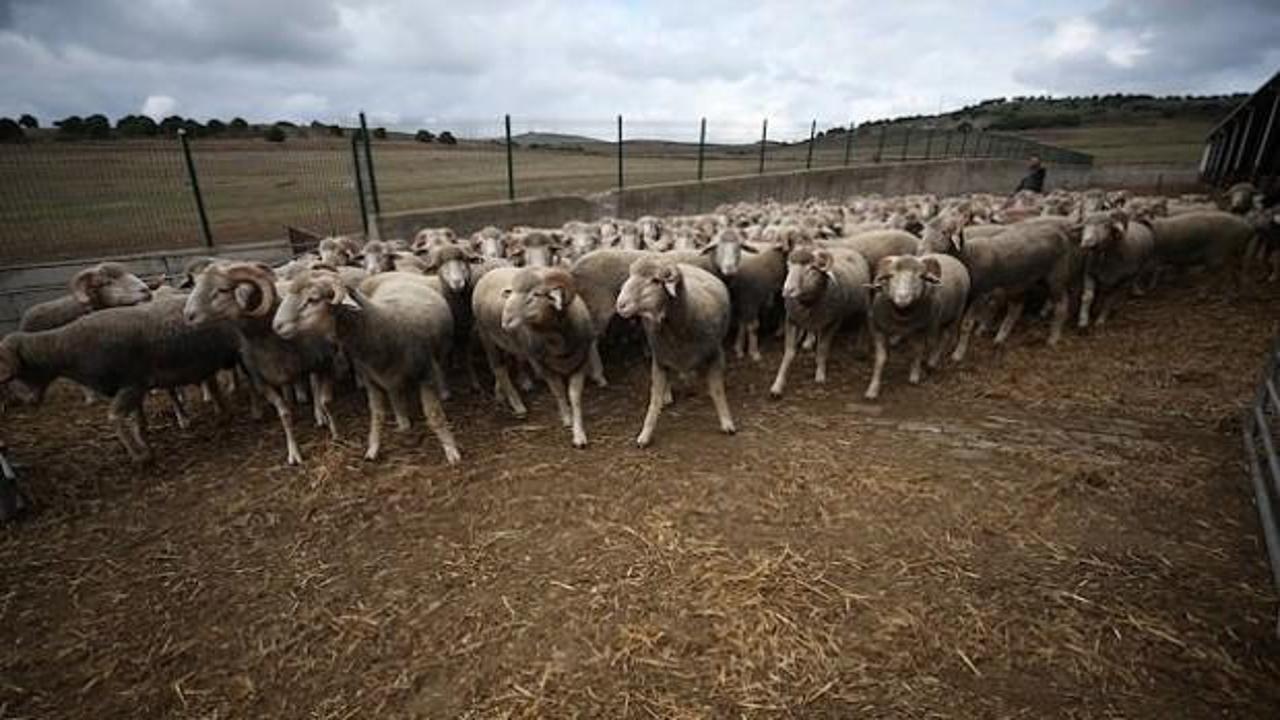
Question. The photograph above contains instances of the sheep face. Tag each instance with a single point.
(108, 285)
(377, 258)
(582, 240)
(536, 249)
(629, 237)
(333, 252)
(308, 303)
(537, 298)
(230, 291)
(905, 279)
(1101, 230)
(1240, 197)
(808, 272)
(726, 252)
(650, 286)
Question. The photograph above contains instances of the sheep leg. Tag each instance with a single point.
(377, 412)
(438, 422)
(715, 386)
(966, 330)
(442, 383)
(1013, 311)
(1086, 301)
(657, 391)
(1106, 303)
(1275, 268)
(576, 381)
(326, 404)
(523, 379)
(122, 415)
(400, 406)
(219, 402)
(556, 385)
(90, 397)
(317, 408)
(502, 382)
(179, 408)
(300, 393)
(917, 363)
(740, 341)
(753, 339)
(825, 337)
(285, 412)
(1061, 309)
(596, 366)
(810, 340)
(877, 369)
(937, 345)
(788, 357)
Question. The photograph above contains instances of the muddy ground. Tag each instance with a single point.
(1034, 533)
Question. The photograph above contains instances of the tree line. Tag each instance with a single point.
(99, 127)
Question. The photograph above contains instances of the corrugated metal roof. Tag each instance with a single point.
(1268, 85)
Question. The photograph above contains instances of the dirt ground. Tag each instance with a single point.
(1033, 533)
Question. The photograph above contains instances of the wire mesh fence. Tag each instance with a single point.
(94, 198)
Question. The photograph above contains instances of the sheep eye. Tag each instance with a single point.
(506, 293)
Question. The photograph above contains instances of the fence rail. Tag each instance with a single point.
(1261, 435)
(67, 200)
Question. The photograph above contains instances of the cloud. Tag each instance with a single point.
(158, 107)
(661, 63)
(1158, 46)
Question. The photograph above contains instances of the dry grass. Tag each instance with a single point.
(1033, 534)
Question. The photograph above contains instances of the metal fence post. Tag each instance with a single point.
(355, 166)
(764, 139)
(195, 188)
(946, 151)
(906, 144)
(813, 129)
(848, 144)
(702, 147)
(511, 166)
(368, 163)
(928, 145)
(884, 130)
(619, 152)
(964, 141)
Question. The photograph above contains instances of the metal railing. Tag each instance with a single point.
(1260, 439)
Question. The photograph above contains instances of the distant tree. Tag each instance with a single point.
(424, 136)
(447, 138)
(70, 128)
(215, 127)
(171, 125)
(965, 127)
(238, 125)
(10, 131)
(275, 133)
(317, 125)
(136, 126)
(285, 124)
(29, 121)
(193, 128)
(335, 130)
(380, 133)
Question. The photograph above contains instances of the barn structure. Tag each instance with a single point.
(1245, 146)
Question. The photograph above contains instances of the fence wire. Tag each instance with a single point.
(85, 199)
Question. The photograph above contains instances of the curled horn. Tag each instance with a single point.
(260, 277)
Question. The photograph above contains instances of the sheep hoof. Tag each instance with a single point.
(371, 455)
(600, 381)
(728, 428)
(871, 395)
(13, 504)
(756, 357)
(580, 442)
(775, 393)
(452, 456)
(643, 441)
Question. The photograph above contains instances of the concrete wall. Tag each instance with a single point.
(21, 287)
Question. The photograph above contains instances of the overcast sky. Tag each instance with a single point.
(556, 65)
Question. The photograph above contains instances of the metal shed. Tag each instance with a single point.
(1244, 145)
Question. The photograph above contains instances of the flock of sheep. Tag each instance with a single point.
(919, 273)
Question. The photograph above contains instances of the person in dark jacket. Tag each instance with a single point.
(1034, 180)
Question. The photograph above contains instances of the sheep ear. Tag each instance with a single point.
(748, 249)
(710, 248)
(82, 286)
(556, 294)
(244, 293)
(932, 270)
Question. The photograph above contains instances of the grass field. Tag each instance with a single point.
(1173, 142)
(89, 199)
